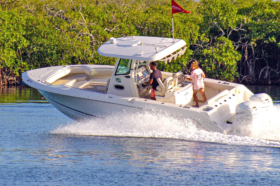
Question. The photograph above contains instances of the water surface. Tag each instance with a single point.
(41, 146)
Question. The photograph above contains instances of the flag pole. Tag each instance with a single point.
(173, 29)
(176, 9)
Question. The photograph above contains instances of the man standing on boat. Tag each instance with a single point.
(153, 79)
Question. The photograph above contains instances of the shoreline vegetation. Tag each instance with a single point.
(234, 40)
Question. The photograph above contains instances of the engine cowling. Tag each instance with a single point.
(249, 110)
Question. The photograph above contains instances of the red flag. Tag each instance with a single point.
(177, 8)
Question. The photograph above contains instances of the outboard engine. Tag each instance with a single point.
(264, 100)
(248, 111)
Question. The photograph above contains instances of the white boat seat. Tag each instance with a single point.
(169, 97)
(178, 76)
(80, 77)
(104, 89)
(98, 81)
(94, 82)
(82, 69)
(68, 80)
(70, 83)
(163, 87)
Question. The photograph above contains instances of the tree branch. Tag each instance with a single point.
(215, 24)
(111, 30)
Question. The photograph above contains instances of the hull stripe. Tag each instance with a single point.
(92, 99)
(72, 108)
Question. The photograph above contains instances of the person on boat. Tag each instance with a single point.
(153, 79)
(196, 77)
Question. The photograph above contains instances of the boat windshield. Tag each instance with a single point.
(142, 63)
(123, 67)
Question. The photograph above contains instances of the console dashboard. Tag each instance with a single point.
(142, 77)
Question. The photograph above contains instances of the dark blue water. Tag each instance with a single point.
(40, 146)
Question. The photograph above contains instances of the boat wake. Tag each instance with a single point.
(164, 126)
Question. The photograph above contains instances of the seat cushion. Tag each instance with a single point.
(159, 93)
(159, 88)
(168, 83)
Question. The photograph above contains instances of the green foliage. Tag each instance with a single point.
(220, 60)
(264, 21)
(260, 46)
(180, 63)
(30, 42)
(218, 14)
(222, 34)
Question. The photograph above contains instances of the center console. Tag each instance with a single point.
(143, 76)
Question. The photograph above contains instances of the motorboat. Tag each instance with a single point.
(89, 91)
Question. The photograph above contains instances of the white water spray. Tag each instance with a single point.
(266, 126)
(164, 126)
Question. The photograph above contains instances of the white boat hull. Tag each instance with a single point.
(80, 108)
(88, 91)
(78, 102)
